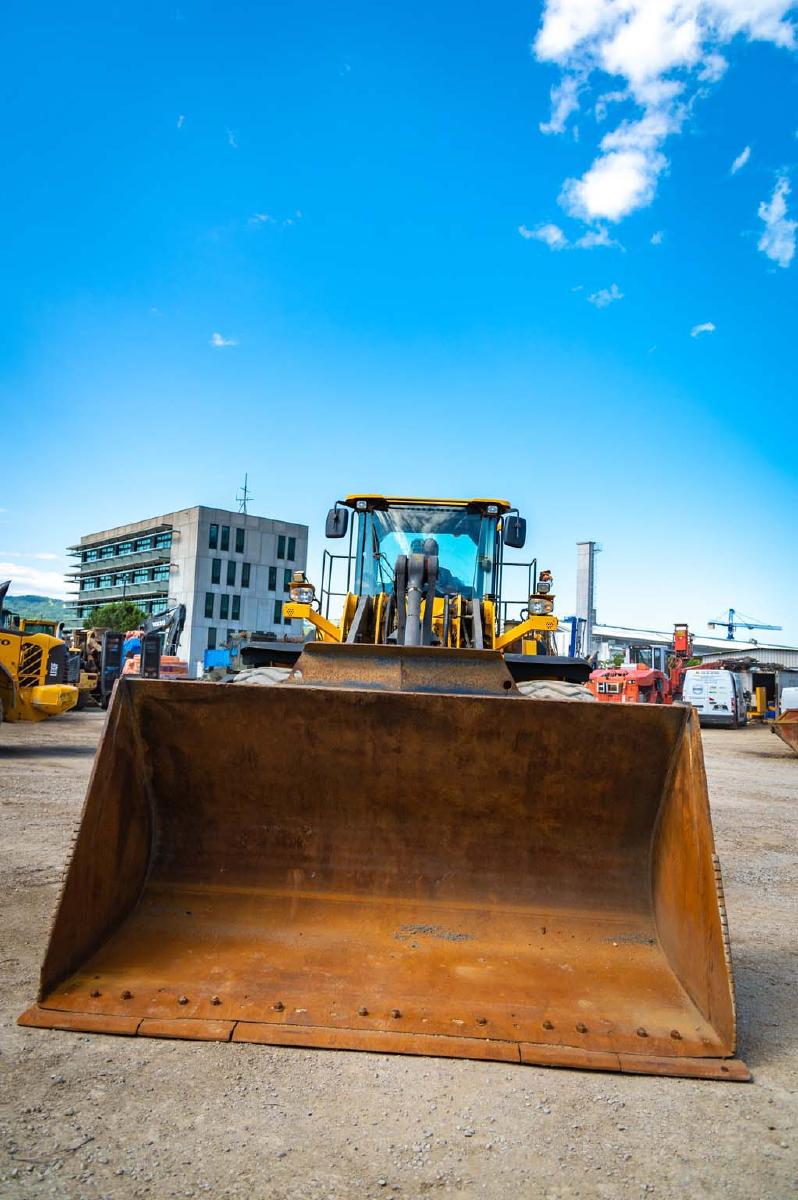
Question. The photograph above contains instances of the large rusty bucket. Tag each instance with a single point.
(396, 851)
(786, 726)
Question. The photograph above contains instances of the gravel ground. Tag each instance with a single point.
(92, 1116)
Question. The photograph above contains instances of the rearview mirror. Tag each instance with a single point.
(514, 532)
(337, 523)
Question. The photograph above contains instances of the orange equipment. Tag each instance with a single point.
(171, 667)
(637, 684)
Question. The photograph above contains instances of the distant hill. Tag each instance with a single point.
(46, 608)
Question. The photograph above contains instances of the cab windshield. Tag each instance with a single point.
(465, 543)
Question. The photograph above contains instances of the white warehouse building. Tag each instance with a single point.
(231, 570)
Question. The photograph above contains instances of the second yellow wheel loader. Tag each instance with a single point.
(399, 848)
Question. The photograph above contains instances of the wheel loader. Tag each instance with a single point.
(412, 842)
(33, 670)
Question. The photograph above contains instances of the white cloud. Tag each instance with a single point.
(778, 239)
(605, 296)
(32, 579)
(597, 237)
(603, 103)
(741, 159)
(218, 340)
(231, 139)
(552, 235)
(180, 121)
(704, 327)
(665, 53)
(555, 239)
(657, 238)
(564, 101)
(42, 556)
(261, 218)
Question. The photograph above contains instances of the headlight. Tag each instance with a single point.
(301, 589)
(539, 607)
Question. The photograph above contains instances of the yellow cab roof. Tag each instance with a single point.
(376, 500)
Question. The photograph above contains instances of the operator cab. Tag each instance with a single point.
(466, 536)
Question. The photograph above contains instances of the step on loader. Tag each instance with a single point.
(399, 846)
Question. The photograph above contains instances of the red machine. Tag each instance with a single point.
(682, 653)
(636, 684)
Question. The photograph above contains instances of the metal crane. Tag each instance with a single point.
(741, 622)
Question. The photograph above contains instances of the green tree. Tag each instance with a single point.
(121, 615)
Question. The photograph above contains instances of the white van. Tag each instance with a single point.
(717, 696)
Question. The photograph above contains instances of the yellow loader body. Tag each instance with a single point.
(397, 851)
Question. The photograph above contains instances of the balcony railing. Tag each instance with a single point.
(129, 591)
(100, 566)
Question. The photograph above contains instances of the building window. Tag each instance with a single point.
(125, 547)
(272, 579)
(236, 613)
(231, 572)
(212, 638)
(213, 537)
(143, 575)
(278, 612)
(245, 569)
(230, 633)
(89, 555)
(107, 552)
(287, 573)
(160, 574)
(291, 555)
(216, 570)
(224, 606)
(209, 604)
(225, 545)
(281, 546)
(239, 541)
(163, 541)
(105, 581)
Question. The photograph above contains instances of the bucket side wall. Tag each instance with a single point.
(111, 851)
(687, 896)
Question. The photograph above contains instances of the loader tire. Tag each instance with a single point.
(554, 689)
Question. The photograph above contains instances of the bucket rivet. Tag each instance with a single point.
(395, 1012)
(363, 1011)
(215, 1000)
(581, 1028)
(675, 1034)
(126, 995)
(95, 993)
(548, 1024)
(278, 1006)
(642, 1032)
(482, 1020)
(182, 1000)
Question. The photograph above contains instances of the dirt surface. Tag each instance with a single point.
(91, 1116)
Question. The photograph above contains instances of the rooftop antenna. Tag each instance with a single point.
(244, 496)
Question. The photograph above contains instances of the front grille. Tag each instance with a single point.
(30, 665)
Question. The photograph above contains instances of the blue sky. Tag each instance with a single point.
(359, 202)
